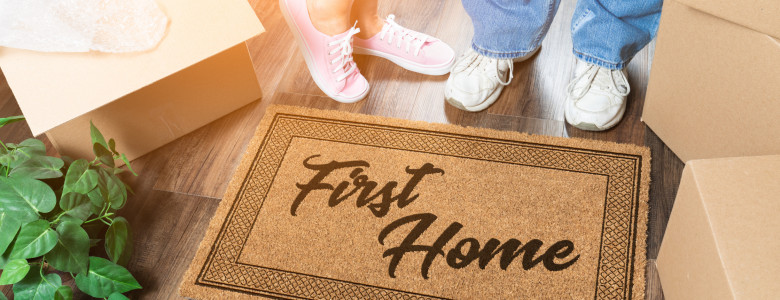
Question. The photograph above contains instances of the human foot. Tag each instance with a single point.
(329, 58)
(476, 81)
(409, 49)
(596, 97)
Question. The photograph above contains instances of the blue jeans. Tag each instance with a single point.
(607, 33)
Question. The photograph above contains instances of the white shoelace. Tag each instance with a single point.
(602, 82)
(407, 35)
(345, 46)
(482, 62)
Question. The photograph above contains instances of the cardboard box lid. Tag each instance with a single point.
(740, 196)
(53, 88)
(713, 90)
(759, 15)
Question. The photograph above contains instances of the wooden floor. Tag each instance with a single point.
(180, 184)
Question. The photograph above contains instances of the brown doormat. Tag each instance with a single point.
(334, 205)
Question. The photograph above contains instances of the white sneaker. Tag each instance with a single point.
(596, 97)
(476, 81)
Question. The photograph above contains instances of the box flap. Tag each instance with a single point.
(759, 15)
(53, 88)
(740, 197)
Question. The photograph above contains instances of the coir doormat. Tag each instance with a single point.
(334, 205)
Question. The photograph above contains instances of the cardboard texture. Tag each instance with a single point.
(723, 234)
(200, 71)
(713, 87)
(280, 232)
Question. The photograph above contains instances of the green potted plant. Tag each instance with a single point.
(52, 211)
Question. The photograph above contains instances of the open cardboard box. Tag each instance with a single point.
(200, 71)
(724, 232)
(714, 87)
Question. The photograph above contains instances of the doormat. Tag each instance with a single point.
(335, 205)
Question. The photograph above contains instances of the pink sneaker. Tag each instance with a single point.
(329, 58)
(409, 49)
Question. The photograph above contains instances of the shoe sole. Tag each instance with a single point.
(406, 64)
(593, 127)
(315, 74)
(477, 108)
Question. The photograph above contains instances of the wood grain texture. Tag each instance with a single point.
(180, 183)
(653, 287)
(666, 172)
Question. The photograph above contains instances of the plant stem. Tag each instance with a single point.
(101, 218)
(44, 278)
(57, 219)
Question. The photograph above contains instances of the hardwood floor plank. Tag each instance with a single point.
(15, 132)
(167, 232)
(653, 289)
(454, 29)
(665, 175)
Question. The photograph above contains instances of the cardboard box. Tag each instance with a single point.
(715, 80)
(722, 238)
(200, 71)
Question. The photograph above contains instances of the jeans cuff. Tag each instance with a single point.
(600, 62)
(499, 55)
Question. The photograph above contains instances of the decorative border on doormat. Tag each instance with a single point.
(216, 269)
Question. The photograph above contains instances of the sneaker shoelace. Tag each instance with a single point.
(602, 78)
(345, 46)
(404, 34)
(475, 61)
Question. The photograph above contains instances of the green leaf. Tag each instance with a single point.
(2, 296)
(96, 210)
(103, 155)
(97, 137)
(105, 278)
(127, 187)
(127, 163)
(9, 120)
(76, 205)
(64, 293)
(112, 146)
(118, 170)
(35, 239)
(14, 271)
(121, 186)
(6, 256)
(31, 147)
(35, 287)
(80, 178)
(72, 219)
(111, 189)
(119, 241)
(71, 254)
(97, 200)
(23, 198)
(39, 167)
(67, 159)
(6, 159)
(94, 242)
(8, 229)
(117, 296)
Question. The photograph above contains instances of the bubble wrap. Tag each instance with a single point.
(81, 25)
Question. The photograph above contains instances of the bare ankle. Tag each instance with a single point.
(369, 26)
(329, 20)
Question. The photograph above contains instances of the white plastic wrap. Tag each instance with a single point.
(81, 25)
